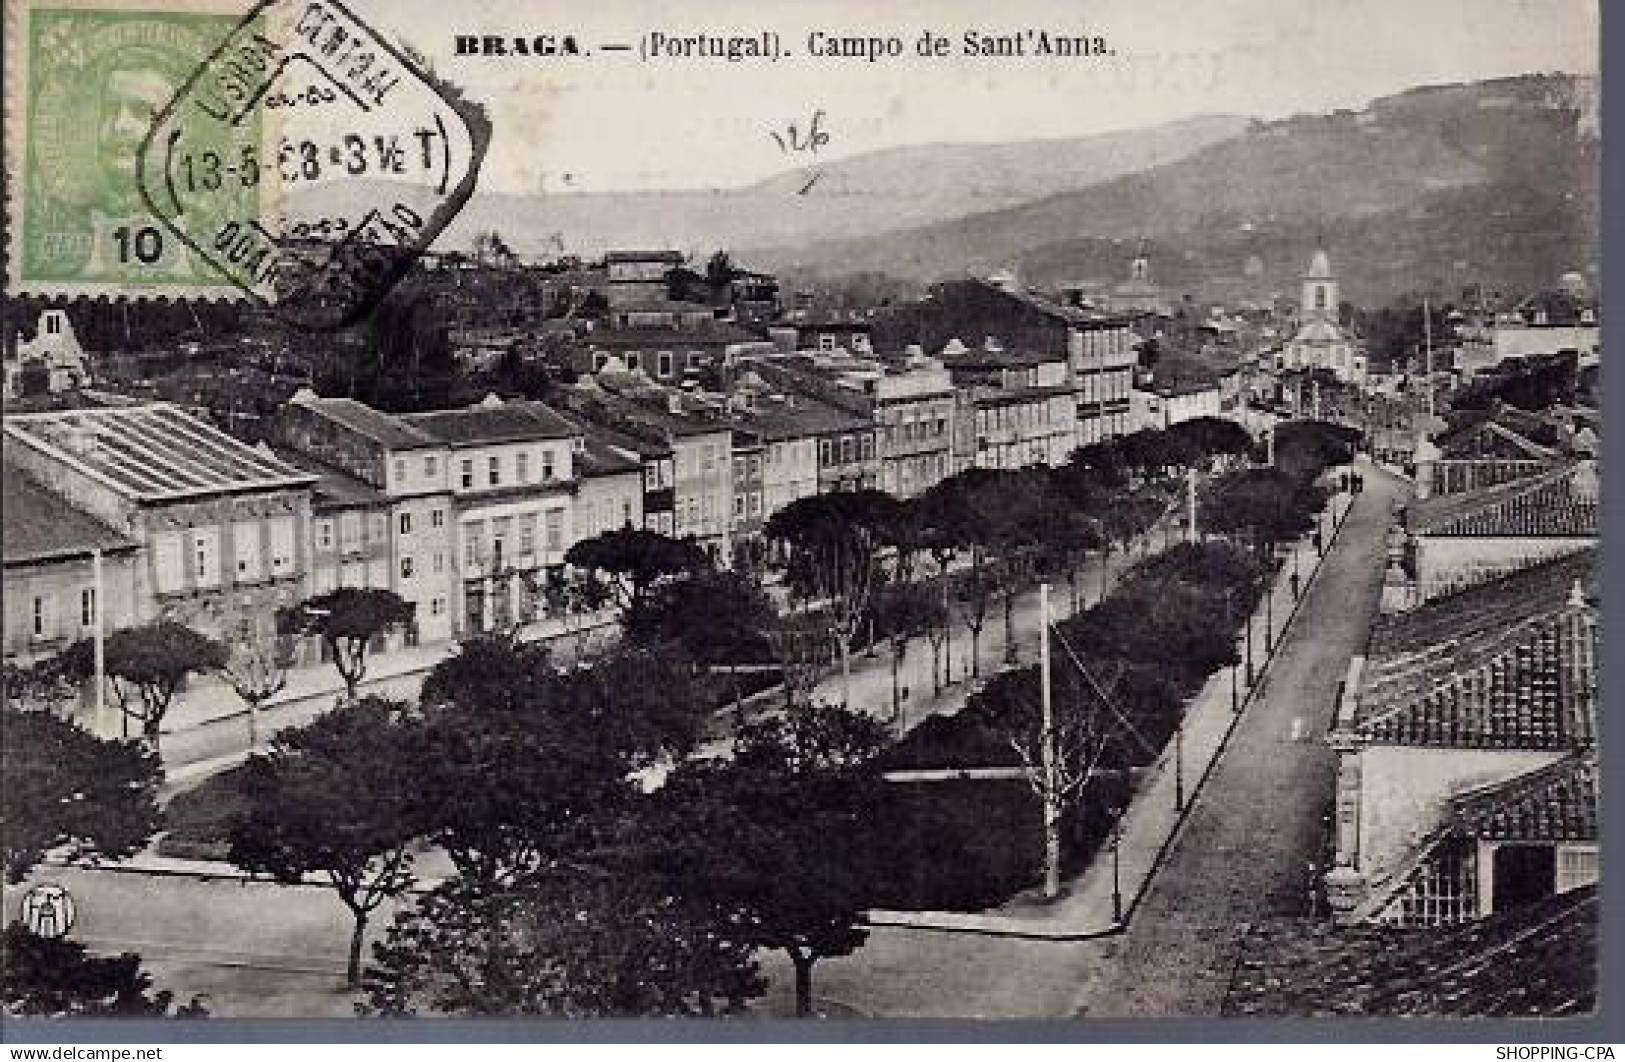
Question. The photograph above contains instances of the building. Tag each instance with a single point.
(835, 335)
(50, 362)
(48, 549)
(670, 343)
(1320, 341)
(610, 496)
(382, 507)
(1482, 455)
(638, 277)
(1452, 541)
(1103, 353)
(512, 480)
(223, 527)
(1554, 321)
(1023, 405)
(1466, 745)
(1138, 295)
(1163, 401)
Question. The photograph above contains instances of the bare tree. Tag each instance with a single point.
(258, 670)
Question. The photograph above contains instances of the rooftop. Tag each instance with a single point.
(1555, 803)
(334, 488)
(1501, 665)
(389, 432)
(493, 421)
(1536, 961)
(40, 526)
(152, 452)
(1562, 503)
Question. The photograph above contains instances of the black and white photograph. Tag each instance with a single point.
(801, 511)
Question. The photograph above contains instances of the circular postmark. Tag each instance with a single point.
(48, 911)
(310, 161)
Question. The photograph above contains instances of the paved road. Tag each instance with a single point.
(1245, 851)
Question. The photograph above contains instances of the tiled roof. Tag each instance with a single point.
(1492, 441)
(1555, 803)
(598, 457)
(491, 422)
(386, 430)
(151, 452)
(1562, 503)
(1533, 686)
(1438, 629)
(39, 525)
(1015, 396)
(1536, 961)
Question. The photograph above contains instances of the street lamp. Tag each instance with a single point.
(1117, 882)
(1179, 763)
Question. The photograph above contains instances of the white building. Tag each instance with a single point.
(1320, 342)
(52, 361)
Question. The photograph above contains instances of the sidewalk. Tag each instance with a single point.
(1102, 900)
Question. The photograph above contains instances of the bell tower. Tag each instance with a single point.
(1320, 295)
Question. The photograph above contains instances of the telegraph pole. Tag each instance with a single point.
(97, 641)
(1052, 808)
(1190, 505)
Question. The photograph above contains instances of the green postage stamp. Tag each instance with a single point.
(84, 81)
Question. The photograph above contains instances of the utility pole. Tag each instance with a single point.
(97, 641)
(1427, 342)
(1052, 802)
(1269, 445)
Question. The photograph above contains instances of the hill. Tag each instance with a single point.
(857, 196)
(1494, 182)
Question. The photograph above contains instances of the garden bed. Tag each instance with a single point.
(197, 822)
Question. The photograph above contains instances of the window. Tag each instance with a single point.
(429, 466)
(527, 535)
(437, 518)
(471, 551)
(824, 451)
(626, 512)
(324, 534)
(468, 474)
(168, 567)
(547, 466)
(826, 341)
(555, 530)
(87, 607)
(400, 470)
(439, 562)
(406, 567)
(846, 449)
(53, 325)
(739, 506)
(710, 459)
(42, 617)
(665, 363)
(494, 470)
(406, 523)
(1576, 868)
(437, 606)
(282, 549)
(206, 556)
(522, 470)
(245, 547)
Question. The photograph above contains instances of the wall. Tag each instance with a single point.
(59, 586)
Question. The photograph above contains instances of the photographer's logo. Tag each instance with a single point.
(47, 911)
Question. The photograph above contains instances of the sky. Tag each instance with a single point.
(610, 122)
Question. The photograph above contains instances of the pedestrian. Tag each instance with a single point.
(1294, 586)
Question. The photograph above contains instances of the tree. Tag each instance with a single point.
(1066, 534)
(781, 833)
(147, 665)
(737, 615)
(54, 978)
(64, 789)
(835, 542)
(800, 645)
(1263, 506)
(338, 799)
(905, 611)
(638, 560)
(258, 670)
(523, 765)
(347, 620)
(1077, 737)
(583, 941)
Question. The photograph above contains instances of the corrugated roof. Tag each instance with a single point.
(40, 526)
(152, 452)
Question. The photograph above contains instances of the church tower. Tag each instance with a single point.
(1320, 297)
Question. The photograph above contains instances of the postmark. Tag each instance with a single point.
(290, 155)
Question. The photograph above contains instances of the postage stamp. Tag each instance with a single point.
(160, 145)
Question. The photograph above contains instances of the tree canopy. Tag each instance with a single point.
(638, 558)
(147, 666)
(347, 620)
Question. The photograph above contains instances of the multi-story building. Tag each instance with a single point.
(383, 510)
(1023, 405)
(512, 479)
(49, 553)
(1467, 775)
(224, 528)
(638, 276)
(49, 362)
(611, 493)
(1103, 353)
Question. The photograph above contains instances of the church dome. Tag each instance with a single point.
(1320, 266)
